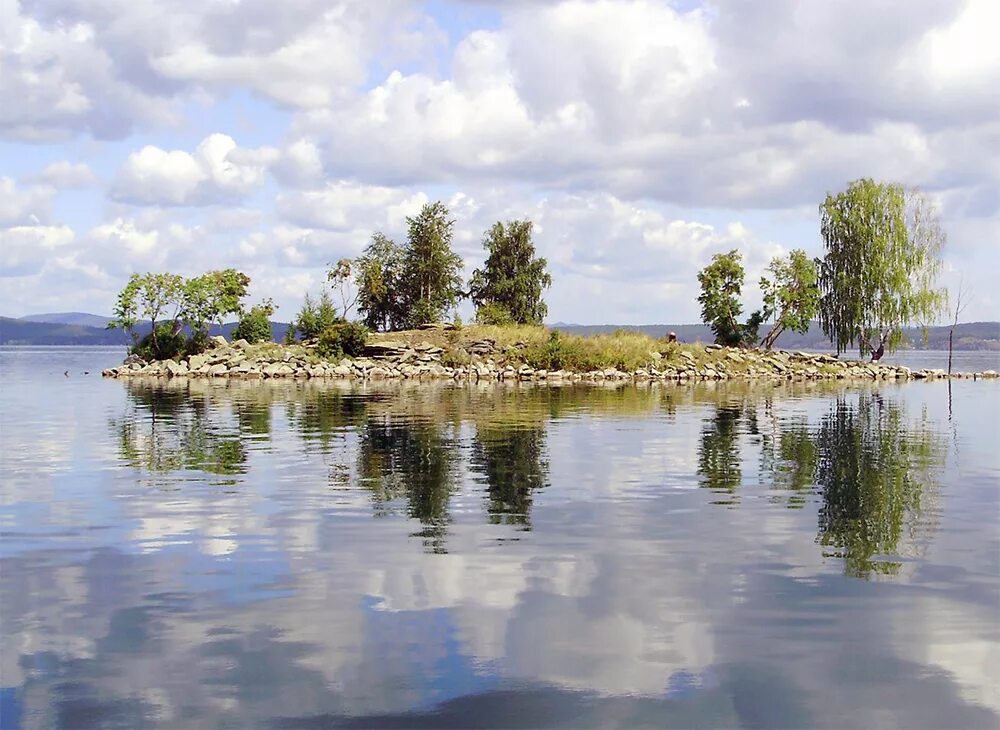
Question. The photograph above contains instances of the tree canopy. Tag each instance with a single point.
(377, 275)
(512, 278)
(721, 283)
(791, 294)
(431, 280)
(883, 247)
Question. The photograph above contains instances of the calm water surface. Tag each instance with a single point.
(318, 554)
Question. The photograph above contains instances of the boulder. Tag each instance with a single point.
(218, 341)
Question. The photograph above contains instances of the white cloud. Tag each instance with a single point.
(24, 206)
(217, 171)
(65, 174)
(24, 250)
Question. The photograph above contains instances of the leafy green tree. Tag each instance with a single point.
(791, 295)
(721, 283)
(212, 297)
(432, 272)
(152, 297)
(377, 274)
(883, 254)
(255, 325)
(512, 279)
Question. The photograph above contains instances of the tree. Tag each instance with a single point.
(431, 279)
(512, 278)
(883, 246)
(153, 297)
(212, 297)
(791, 295)
(721, 282)
(339, 277)
(377, 274)
(314, 318)
(255, 325)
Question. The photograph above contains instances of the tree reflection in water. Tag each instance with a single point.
(512, 460)
(872, 468)
(869, 465)
(400, 457)
(170, 428)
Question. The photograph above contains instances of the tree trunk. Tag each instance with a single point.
(951, 333)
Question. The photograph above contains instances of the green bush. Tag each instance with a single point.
(167, 344)
(315, 317)
(342, 338)
(255, 326)
(197, 343)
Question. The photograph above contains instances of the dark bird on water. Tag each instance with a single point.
(66, 373)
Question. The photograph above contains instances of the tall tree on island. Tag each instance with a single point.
(377, 274)
(791, 295)
(432, 273)
(508, 289)
(721, 283)
(883, 254)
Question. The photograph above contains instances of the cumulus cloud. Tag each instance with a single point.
(65, 174)
(103, 68)
(25, 249)
(24, 206)
(216, 172)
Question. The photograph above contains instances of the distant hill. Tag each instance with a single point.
(80, 318)
(26, 331)
(21, 332)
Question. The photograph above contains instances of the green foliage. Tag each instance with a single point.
(211, 297)
(314, 318)
(883, 254)
(512, 279)
(431, 272)
(162, 343)
(493, 313)
(721, 283)
(342, 338)
(153, 297)
(791, 294)
(377, 275)
(172, 301)
(255, 325)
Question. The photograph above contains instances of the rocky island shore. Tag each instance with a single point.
(458, 355)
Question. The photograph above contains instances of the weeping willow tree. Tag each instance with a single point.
(883, 255)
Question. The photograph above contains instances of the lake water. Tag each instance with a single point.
(303, 554)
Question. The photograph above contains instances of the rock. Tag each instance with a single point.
(241, 344)
(196, 361)
(133, 360)
(177, 368)
(385, 349)
(218, 341)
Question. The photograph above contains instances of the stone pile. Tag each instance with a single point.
(388, 360)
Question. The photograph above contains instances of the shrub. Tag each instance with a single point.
(197, 343)
(168, 344)
(342, 338)
(255, 326)
(314, 318)
(493, 313)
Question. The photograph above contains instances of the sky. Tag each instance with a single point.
(640, 137)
